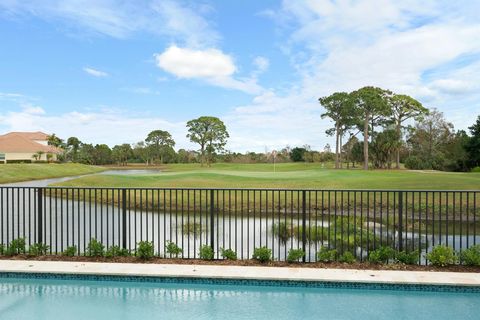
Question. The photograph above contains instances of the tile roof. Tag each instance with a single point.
(29, 135)
(23, 142)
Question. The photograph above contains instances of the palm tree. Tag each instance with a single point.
(55, 141)
(38, 155)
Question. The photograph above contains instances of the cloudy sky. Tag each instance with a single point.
(110, 71)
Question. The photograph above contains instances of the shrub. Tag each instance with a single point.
(95, 248)
(70, 251)
(38, 249)
(476, 169)
(262, 254)
(442, 256)
(471, 256)
(145, 250)
(228, 254)
(416, 163)
(2, 249)
(347, 257)
(407, 257)
(116, 251)
(206, 252)
(294, 255)
(326, 255)
(172, 249)
(381, 255)
(17, 246)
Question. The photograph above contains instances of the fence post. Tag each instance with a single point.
(39, 215)
(124, 218)
(212, 224)
(400, 221)
(304, 223)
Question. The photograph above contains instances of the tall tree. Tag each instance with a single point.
(371, 103)
(339, 108)
(382, 147)
(55, 141)
(473, 145)
(404, 108)
(210, 133)
(159, 141)
(429, 141)
(121, 153)
(74, 144)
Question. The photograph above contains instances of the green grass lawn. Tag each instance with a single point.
(287, 175)
(30, 171)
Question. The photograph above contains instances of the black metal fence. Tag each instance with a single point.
(358, 221)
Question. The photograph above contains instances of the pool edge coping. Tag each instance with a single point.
(242, 273)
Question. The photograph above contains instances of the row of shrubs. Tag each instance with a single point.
(440, 255)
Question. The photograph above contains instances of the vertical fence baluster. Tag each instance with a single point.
(400, 221)
(212, 222)
(304, 222)
(40, 215)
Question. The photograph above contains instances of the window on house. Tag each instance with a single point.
(2, 156)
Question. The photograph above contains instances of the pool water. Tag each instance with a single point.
(86, 299)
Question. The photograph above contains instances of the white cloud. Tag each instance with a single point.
(11, 96)
(210, 65)
(121, 19)
(261, 63)
(95, 72)
(188, 63)
(33, 110)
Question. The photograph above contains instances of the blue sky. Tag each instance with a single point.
(110, 71)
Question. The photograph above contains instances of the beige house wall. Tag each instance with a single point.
(27, 157)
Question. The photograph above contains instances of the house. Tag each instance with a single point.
(26, 147)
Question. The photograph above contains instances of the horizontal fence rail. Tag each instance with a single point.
(358, 221)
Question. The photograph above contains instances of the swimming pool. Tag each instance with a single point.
(64, 297)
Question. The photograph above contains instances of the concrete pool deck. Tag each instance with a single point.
(241, 272)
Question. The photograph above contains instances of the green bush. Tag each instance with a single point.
(2, 249)
(347, 257)
(38, 249)
(326, 255)
(145, 250)
(17, 246)
(471, 256)
(116, 251)
(172, 249)
(95, 248)
(262, 254)
(476, 169)
(294, 255)
(206, 252)
(416, 163)
(228, 254)
(442, 256)
(381, 255)
(407, 257)
(70, 251)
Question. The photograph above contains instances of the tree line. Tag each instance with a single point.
(382, 117)
(210, 133)
(382, 129)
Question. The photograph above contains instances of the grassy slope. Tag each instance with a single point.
(24, 172)
(288, 175)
